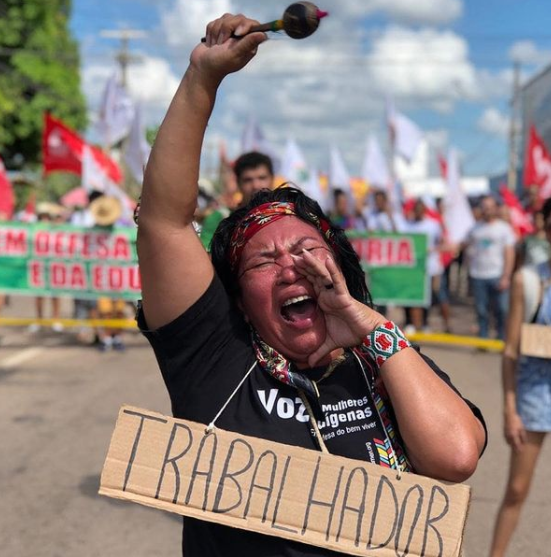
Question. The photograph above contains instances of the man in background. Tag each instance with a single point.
(253, 171)
(419, 223)
(48, 213)
(491, 257)
(382, 218)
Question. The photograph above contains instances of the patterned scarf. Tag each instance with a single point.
(391, 452)
(274, 363)
(259, 217)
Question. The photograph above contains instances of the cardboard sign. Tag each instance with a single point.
(324, 500)
(535, 340)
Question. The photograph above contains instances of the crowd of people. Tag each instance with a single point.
(96, 211)
(480, 268)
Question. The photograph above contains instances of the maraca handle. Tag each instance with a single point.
(276, 25)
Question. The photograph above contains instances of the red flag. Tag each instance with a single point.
(537, 164)
(62, 150)
(520, 219)
(433, 214)
(61, 147)
(111, 168)
(7, 197)
(430, 212)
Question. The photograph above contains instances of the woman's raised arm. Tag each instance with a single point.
(175, 269)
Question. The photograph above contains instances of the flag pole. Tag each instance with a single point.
(513, 130)
(392, 159)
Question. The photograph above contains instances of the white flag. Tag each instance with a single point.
(375, 168)
(406, 134)
(95, 178)
(293, 166)
(137, 149)
(127, 204)
(417, 168)
(116, 112)
(312, 188)
(339, 177)
(253, 139)
(338, 174)
(458, 215)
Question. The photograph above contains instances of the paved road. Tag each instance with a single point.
(58, 404)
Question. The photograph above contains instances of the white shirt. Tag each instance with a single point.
(433, 231)
(83, 218)
(486, 250)
(380, 221)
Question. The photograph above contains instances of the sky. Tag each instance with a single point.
(447, 64)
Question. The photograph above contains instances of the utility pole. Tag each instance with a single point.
(513, 129)
(123, 56)
(124, 59)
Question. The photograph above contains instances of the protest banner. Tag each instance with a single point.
(395, 265)
(43, 259)
(53, 260)
(317, 498)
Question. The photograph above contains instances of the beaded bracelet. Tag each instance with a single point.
(385, 341)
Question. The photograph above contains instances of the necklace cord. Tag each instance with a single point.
(212, 425)
(314, 423)
(210, 428)
(396, 466)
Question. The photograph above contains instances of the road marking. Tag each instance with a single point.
(20, 357)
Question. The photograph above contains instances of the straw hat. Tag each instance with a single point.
(106, 210)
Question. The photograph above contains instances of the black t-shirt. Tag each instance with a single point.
(204, 353)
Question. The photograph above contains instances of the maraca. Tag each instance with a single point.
(299, 21)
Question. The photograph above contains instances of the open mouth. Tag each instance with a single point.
(299, 309)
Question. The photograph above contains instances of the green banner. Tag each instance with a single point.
(395, 265)
(55, 260)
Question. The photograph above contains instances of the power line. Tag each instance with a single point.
(92, 16)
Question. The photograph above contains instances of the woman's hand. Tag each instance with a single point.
(514, 431)
(220, 54)
(347, 320)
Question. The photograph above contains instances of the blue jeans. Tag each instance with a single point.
(487, 298)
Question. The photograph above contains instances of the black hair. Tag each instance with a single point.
(337, 192)
(307, 210)
(488, 196)
(94, 194)
(254, 159)
(546, 209)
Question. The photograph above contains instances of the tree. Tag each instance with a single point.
(39, 72)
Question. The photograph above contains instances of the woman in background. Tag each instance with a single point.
(526, 391)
